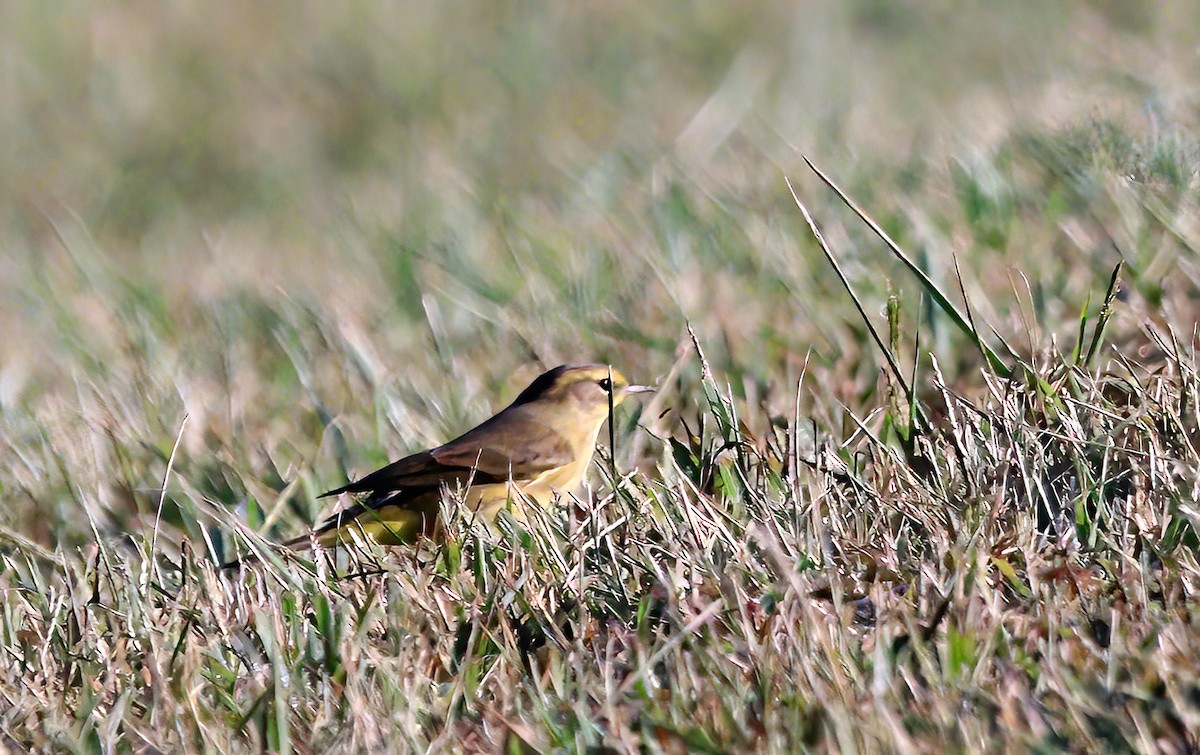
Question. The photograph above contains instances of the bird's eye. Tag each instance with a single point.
(605, 383)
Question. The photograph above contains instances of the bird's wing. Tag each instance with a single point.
(510, 445)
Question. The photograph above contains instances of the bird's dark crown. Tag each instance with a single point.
(558, 380)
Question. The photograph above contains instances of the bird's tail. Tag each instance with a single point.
(302, 543)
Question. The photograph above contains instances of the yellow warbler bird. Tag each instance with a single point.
(537, 448)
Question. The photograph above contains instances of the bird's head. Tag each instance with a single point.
(584, 389)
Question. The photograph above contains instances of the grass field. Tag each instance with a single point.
(953, 503)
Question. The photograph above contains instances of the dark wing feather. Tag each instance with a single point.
(421, 470)
(482, 455)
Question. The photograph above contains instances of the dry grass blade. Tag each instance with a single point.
(883, 348)
(940, 299)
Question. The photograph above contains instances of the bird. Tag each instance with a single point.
(536, 449)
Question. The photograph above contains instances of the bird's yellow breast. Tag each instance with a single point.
(490, 500)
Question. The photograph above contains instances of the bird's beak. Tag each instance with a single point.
(640, 389)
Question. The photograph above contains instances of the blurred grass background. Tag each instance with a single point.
(333, 233)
